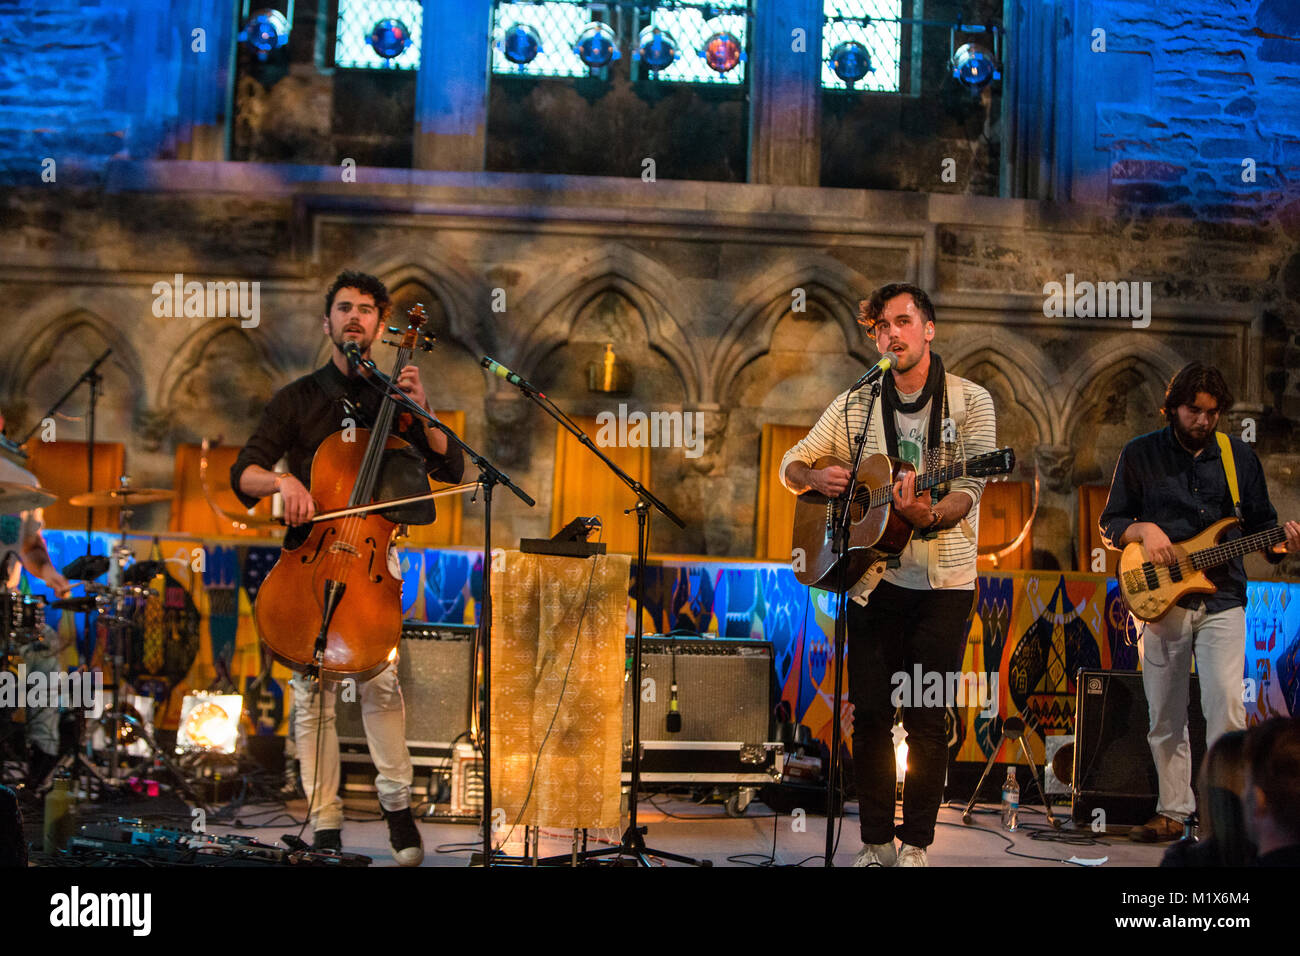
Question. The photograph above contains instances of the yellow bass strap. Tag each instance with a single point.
(1230, 469)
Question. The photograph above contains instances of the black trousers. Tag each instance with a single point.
(898, 629)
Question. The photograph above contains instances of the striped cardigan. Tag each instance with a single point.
(952, 563)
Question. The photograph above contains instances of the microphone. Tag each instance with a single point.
(673, 722)
(501, 371)
(874, 373)
(353, 353)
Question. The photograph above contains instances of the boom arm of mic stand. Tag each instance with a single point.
(489, 471)
(84, 376)
(640, 490)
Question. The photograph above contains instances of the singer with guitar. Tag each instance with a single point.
(916, 613)
(297, 420)
(1171, 485)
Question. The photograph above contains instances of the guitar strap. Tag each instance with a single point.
(1230, 471)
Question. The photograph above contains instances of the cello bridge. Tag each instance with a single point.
(345, 547)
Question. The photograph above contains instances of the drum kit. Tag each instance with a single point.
(120, 607)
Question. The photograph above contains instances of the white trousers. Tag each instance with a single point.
(384, 718)
(43, 722)
(1218, 641)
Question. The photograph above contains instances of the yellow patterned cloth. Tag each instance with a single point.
(540, 604)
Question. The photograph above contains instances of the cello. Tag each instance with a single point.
(331, 607)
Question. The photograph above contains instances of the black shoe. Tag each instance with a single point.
(326, 840)
(404, 837)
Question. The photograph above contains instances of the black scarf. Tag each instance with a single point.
(935, 384)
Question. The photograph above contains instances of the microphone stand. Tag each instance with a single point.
(840, 547)
(489, 477)
(633, 842)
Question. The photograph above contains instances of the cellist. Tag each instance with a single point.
(296, 420)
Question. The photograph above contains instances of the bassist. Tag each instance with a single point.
(918, 612)
(1170, 485)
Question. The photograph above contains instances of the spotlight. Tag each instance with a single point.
(389, 38)
(209, 723)
(974, 67)
(265, 32)
(521, 44)
(851, 61)
(656, 48)
(722, 52)
(597, 45)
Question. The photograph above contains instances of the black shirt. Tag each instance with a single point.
(305, 412)
(1158, 480)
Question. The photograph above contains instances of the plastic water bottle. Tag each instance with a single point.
(1010, 801)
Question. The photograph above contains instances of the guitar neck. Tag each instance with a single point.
(1222, 553)
(924, 481)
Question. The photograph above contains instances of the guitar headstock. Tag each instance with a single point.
(991, 464)
(415, 336)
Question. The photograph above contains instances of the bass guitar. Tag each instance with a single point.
(875, 531)
(1150, 590)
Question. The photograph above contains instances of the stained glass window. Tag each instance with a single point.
(357, 18)
(882, 37)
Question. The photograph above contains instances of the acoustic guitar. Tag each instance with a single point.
(1150, 590)
(875, 531)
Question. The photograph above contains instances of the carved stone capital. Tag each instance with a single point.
(509, 437)
(1055, 463)
(152, 427)
(711, 420)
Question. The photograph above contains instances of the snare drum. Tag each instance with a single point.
(22, 616)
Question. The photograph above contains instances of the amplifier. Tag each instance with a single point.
(434, 670)
(1113, 768)
(724, 689)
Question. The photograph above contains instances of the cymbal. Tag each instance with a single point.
(119, 497)
(15, 497)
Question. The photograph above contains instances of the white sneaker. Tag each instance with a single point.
(912, 856)
(876, 854)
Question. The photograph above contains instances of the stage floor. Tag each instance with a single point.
(680, 826)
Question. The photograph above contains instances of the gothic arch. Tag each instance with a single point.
(552, 306)
(187, 358)
(762, 301)
(1025, 367)
(1105, 360)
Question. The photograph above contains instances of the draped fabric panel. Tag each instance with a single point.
(584, 486)
(61, 467)
(558, 631)
(775, 504)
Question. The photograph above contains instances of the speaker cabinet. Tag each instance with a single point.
(724, 689)
(1113, 767)
(433, 667)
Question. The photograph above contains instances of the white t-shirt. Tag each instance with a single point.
(913, 570)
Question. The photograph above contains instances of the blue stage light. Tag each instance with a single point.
(521, 44)
(389, 37)
(722, 52)
(851, 61)
(974, 67)
(265, 32)
(656, 49)
(597, 45)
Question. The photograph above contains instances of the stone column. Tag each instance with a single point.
(785, 93)
(451, 92)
